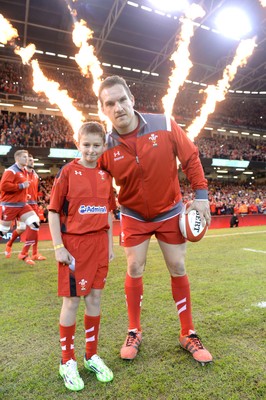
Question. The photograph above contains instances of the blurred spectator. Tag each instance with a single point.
(234, 221)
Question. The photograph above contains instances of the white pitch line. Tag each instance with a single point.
(233, 234)
(155, 241)
(255, 251)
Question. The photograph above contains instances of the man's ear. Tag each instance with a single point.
(133, 100)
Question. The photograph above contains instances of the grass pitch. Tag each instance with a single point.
(227, 271)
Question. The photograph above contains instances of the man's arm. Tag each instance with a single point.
(110, 237)
(8, 183)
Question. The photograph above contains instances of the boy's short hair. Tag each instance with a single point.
(111, 81)
(92, 127)
(19, 152)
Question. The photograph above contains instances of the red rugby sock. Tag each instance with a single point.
(134, 295)
(181, 296)
(31, 240)
(91, 325)
(15, 234)
(67, 337)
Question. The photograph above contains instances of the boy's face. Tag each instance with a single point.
(91, 146)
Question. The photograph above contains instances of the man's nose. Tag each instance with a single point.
(118, 106)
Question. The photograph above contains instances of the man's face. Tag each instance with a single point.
(117, 105)
(22, 159)
(30, 162)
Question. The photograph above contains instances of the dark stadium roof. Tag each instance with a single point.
(133, 37)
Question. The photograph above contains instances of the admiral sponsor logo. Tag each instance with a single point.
(92, 209)
(78, 173)
(117, 156)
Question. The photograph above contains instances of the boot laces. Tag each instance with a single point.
(131, 337)
(196, 341)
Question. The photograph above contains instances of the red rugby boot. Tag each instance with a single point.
(8, 251)
(26, 259)
(192, 343)
(38, 257)
(129, 350)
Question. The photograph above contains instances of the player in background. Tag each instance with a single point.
(32, 197)
(14, 195)
(80, 222)
(141, 156)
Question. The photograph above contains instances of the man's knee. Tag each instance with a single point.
(21, 227)
(33, 222)
(134, 269)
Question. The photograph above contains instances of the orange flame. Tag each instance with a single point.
(217, 93)
(181, 57)
(85, 58)
(7, 31)
(56, 96)
(25, 53)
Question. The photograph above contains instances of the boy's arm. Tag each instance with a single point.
(61, 253)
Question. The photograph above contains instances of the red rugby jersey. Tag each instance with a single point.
(33, 188)
(12, 191)
(83, 197)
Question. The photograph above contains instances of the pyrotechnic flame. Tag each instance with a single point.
(56, 96)
(85, 58)
(263, 3)
(181, 57)
(7, 32)
(217, 93)
(25, 53)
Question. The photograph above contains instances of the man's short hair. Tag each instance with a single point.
(19, 152)
(92, 127)
(111, 81)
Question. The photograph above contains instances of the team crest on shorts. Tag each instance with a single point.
(82, 284)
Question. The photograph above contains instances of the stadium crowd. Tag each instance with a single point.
(48, 131)
(249, 112)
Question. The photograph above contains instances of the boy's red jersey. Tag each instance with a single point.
(83, 197)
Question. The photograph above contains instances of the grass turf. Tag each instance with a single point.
(227, 284)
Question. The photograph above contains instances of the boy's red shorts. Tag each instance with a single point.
(91, 264)
(135, 232)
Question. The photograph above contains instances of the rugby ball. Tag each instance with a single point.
(190, 225)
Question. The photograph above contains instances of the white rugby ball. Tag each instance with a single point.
(190, 225)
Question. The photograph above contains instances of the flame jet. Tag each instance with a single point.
(216, 93)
